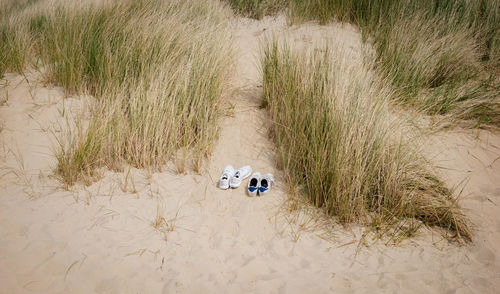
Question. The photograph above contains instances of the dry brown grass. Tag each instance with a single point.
(342, 147)
(157, 69)
(442, 57)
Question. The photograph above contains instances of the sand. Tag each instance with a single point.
(102, 238)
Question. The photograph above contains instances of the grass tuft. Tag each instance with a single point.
(257, 8)
(157, 69)
(336, 137)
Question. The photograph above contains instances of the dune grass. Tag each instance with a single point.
(14, 41)
(258, 8)
(157, 69)
(439, 61)
(340, 145)
(441, 57)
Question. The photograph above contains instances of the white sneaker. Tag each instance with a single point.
(240, 174)
(253, 184)
(226, 177)
(265, 184)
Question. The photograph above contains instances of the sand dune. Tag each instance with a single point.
(102, 239)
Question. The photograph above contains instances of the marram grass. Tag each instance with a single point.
(157, 69)
(441, 57)
(14, 41)
(258, 8)
(338, 142)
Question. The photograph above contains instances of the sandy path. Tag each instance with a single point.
(101, 239)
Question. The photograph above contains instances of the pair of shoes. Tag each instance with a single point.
(259, 185)
(232, 178)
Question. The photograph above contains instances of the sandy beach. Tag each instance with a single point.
(103, 239)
